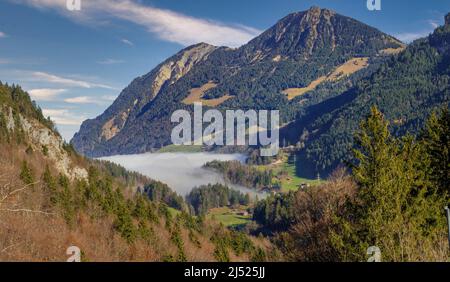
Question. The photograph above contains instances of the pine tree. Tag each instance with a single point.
(26, 174)
(50, 186)
(396, 208)
(436, 139)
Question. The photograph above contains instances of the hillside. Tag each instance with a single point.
(406, 88)
(51, 198)
(295, 52)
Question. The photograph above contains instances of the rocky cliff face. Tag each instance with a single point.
(176, 68)
(41, 137)
(140, 92)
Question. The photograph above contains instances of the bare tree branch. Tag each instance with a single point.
(17, 191)
(9, 247)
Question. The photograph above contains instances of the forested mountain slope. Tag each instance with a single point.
(276, 70)
(406, 88)
(51, 198)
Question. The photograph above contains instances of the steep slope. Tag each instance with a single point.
(142, 91)
(407, 88)
(51, 198)
(298, 50)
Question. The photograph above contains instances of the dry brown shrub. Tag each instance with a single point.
(309, 238)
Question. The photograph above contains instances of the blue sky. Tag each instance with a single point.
(74, 63)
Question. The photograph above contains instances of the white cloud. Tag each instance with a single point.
(45, 94)
(434, 24)
(126, 41)
(88, 100)
(110, 62)
(411, 36)
(2, 34)
(167, 25)
(43, 76)
(63, 117)
(81, 100)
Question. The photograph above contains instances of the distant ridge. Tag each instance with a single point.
(293, 54)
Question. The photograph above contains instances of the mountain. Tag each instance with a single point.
(284, 68)
(406, 88)
(51, 198)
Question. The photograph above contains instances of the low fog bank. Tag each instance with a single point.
(181, 171)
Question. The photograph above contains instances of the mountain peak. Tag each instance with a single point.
(447, 19)
(312, 15)
(303, 34)
(316, 10)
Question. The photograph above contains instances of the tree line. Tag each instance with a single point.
(394, 199)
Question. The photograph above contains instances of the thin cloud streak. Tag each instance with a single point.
(167, 25)
(126, 41)
(409, 37)
(110, 62)
(51, 78)
(104, 100)
(63, 117)
(45, 94)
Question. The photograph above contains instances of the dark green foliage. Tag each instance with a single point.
(65, 199)
(255, 158)
(407, 89)
(124, 224)
(26, 173)
(158, 191)
(190, 222)
(275, 212)
(206, 197)
(234, 241)
(20, 102)
(50, 185)
(178, 241)
(4, 132)
(258, 256)
(396, 207)
(244, 175)
(146, 232)
(436, 140)
(70, 149)
(221, 252)
(44, 150)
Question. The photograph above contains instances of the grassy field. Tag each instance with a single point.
(173, 212)
(196, 95)
(228, 216)
(346, 69)
(290, 181)
(225, 215)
